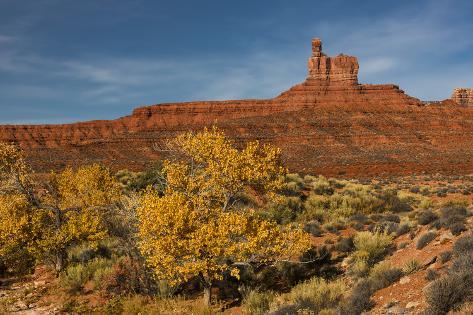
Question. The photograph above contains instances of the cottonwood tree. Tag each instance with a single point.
(69, 209)
(15, 232)
(196, 228)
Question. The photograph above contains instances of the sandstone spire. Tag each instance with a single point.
(463, 97)
(332, 70)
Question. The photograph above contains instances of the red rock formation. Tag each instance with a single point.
(463, 97)
(328, 124)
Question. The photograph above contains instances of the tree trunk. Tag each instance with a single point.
(59, 264)
(207, 295)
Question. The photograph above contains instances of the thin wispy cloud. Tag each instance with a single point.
(414, 48)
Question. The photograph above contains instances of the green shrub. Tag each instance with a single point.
(403, 229)
(359, 269)
(317, 294)
(345, 245)
(315, 208)
(425, 239)
(313, 228)
(294, 184)
(321, 186)
(445, 256)
(463, 246)
(144, 305)
(284, 211)
(457, 228)
(392, 218)
(371, 246)
(359, 300)
(453, 217)
(463, 263)
(76, 275)
(257, 303)
(74, 278)
(402, 245)
(426, 217)
(449, 292)
(383, 275)
(431, 275)
(153, 176)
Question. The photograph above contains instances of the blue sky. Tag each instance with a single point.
(68, 60)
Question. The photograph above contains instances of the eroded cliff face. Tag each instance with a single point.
(329, 124)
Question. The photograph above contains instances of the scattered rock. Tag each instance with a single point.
(345, 263)
(396, 310)
(19, 306)
(405, 280)
(39, 283)
(412, 305)
(430, 262)
(446, 237)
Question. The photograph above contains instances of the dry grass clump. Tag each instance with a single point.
(410, 266)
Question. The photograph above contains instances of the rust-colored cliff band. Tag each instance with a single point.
(329, 124)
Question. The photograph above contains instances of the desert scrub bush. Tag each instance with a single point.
(357, 226)
(391, 217)
(345, 245)
(453, 217)
(359, 300)
(383, 274)
(145, 305)
(431, 275)
(359, 269)
(330, 227)
(463, 263)
(75, 276)
(410, 266)
(313, 227)
(371, 246)
(449, 292)
(321, 186)
(257, 303)
(426, 217)
(152, 176)
(315, 208)
(402, 245)
(127, 276)
(425, 239)
(293, 185)
(284, 211)
(403, 229)
(457, 228)
(445, 256)
(425, 204)
(384, 227)
(360, 218)
(315, 295)
(463, 246)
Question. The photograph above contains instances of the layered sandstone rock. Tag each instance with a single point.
(463, 97)
(340, 70)
(328, 124)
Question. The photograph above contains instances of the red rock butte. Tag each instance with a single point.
(329, 124)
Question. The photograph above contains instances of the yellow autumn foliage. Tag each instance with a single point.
(74, 207)
(69, 209)
(15, 231)
(195, 230)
